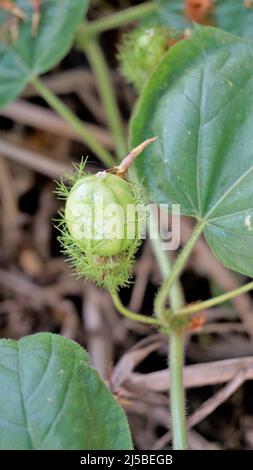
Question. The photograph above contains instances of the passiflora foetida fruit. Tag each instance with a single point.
(102, 223)
(141, 50)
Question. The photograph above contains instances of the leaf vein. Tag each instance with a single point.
(62, 404)
(44, 372)
(202, 83)
(226, 193)
(231, 214)
(23, 400)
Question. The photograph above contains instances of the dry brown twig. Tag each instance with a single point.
(48, 121)
(63, 310)
(197, 375)
(99, 340)
(129, 361)
(11, 217)
(38, 162)
(142, 271)
(218, 398)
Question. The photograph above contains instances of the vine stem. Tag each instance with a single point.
(176, 343)
(115, 20)
(176, 360)
(190, 309)
(175, 347)
(161, 298)
(177, 397)
(101, 72)
(175, 294)
(129, 313)
(74, 122)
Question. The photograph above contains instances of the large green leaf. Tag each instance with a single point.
(29, 56)
(51, 398)
(230, 15)
(199, 102)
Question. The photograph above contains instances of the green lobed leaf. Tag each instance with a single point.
(51, 398)
(199, 102)
(30, 56)
(230, 15)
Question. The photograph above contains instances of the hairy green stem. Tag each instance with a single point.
(177, 398)
(175, 295)
(161, 298)
(101, 72)
(190, 309)
(176, 343)
(74, 122)
(129, 314)
(115, 20)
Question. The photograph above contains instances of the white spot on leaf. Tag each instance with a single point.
(247, 221)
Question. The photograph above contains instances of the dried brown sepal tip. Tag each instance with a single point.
(36, 15)
(248, 3)
(11, 24)
(199, 10)
(122, 169)
(197, 321)
(9, 5)
(18, 15)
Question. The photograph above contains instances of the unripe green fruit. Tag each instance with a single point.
(100, 214)
(141, 51)
(100, 229)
